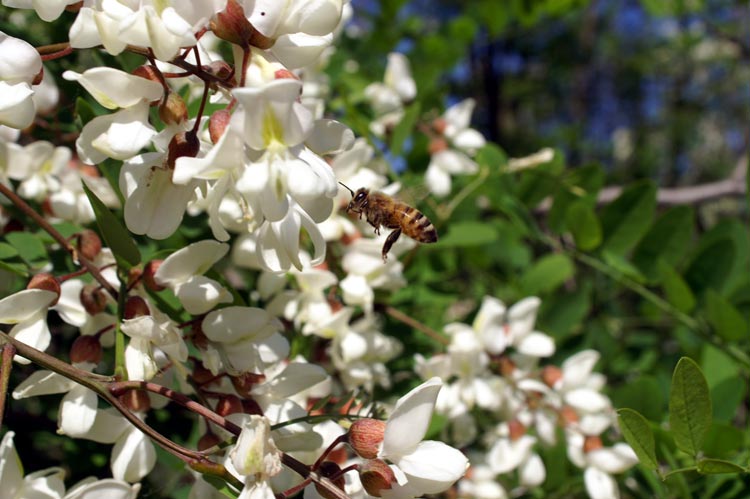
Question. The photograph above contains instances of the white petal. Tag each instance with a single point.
(522, 316)
(296, 377)
(506, 455)
(232, 324)
(600, 485)
(615, 459)
(587, 400)
(11, 473)
(34, 332)
(577, 368)
(77, 412)
(108, 488)
(458, 116)
(298, 50)
(330, 137)
(24, 305)
(200, 294)
(469, 140)
(133, 457)
(398, 76)
(42, 383)
(536, 345)
(434, 466)
(69, 304)
(44, 484)
(108, 427)
(113, 88)
(532, 473)
(16, 105)
(19, 60)
(194, 259)
(437, 180)
(408, 423)
(454, 162)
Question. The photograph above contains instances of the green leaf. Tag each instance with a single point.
(547, 274)
(220, 485)
(711, 266)
(723, 440)
(28, 246)
(714, 466)
(7, 251)
(644, 395)
(676, 290)
(639, 436)
(469, 234)
(689, 406)
(404, 128)
(16, 268)
(491, 156)
(668, 239)
(84, 111)
(727, 397)
(725, 319)
(628, 217)
(622, 264)
(584, 225)
(579, 185)
(114, 234)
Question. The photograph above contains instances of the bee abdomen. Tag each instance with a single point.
(419, 227)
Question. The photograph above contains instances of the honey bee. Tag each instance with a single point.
(382, 210)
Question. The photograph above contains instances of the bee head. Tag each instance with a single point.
(359, 200)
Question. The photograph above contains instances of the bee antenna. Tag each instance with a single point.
(347, 188)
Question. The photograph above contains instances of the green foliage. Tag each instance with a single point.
(114, 233)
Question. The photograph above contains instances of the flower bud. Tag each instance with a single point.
(173, 110)
(330, 470)
(74, 7)
(516, 429)
(250, 406)
(592, 443)
(551, 375)
(228, 404)
(89, 244)
(38, 77)
(182, 144)
(245, 382)
(201, 375)
(365, 437)
(135, 306)
(220, 69)
(150, 73)
(232, 25)
(93, 298)
(47, 282)
(437, 145)
(567, 415)
(376, 476)
(218, 123)
(281, 74)
(207, 441)
(439, 125)
(148, 277)
(86, 348)
(507, 367)
(136, 400)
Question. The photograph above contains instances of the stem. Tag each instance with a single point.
(117, 388)
(313, 419)
(41, 222)
(447, 211)
(6, 363)
(338, 440)
(304, 471)
(410, 321)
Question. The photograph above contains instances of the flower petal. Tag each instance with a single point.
(410, 418)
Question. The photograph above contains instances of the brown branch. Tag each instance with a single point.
(83, 261)
(410, 321)
(6, 363)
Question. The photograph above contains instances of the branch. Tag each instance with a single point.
(6, 363)
(44, 224)
(410, 321)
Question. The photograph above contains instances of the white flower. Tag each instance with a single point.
(388, 98)
(426, 467)
(37, 165)
(113, 88)
(27, 311)
(256, 457)
(119, 135)
(600, 464)
(48, 484)
(465, 141)
(182, 273)
(19, 61)
(47, 10)
(363, 262)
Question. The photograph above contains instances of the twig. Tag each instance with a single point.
(410, 321)
(6, 363)
(29, 211)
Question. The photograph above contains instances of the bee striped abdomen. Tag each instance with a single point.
(417, 226)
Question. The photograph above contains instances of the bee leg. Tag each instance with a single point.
(392, 238)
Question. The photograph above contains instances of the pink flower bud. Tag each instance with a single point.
(437, 145)
(376, 476)
(218, 123)
(182, 144)
(229, 404)
(148, 275)
(86, 349)
(89, 244)
(93, 298)
(47, 282)
(551, 375)
(173, 111)
(365, 437)
(135, 306)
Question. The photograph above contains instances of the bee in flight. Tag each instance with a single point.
(382, 210)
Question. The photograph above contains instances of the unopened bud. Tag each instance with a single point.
(136, 400)
(173, 111)
(218, 123)
(232, 25)
(567, 416)
(86, 348)
(220, 69)
(150, 73)
(135, 306)
(331, 471)
(47, 282)
(282, 74)
(201, 375)
(365, 437)
(182, 144)
(507, 367)
(592, 443)
(551, 375)
(439, 125)
(250, 406)
(376, 476)
(89, 244)
(207, 441)
(228, 404)
(516, 429)
(74, 7)
(93, 298)
(245, 382)
(149, 275)
(437, 145)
